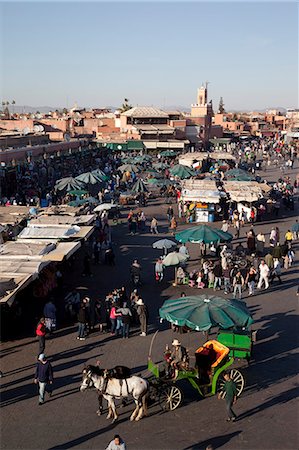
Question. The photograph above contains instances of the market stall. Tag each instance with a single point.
(198, 199)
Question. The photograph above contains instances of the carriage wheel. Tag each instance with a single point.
(237, 377)
(170, 397)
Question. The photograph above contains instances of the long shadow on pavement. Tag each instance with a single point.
(216, 442)
(87, 437)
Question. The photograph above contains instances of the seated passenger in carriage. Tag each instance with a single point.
(207, 357)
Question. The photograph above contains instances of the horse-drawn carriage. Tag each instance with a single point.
(207, 379)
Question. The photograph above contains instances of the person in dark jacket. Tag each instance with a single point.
(41, 334)
(82, 319)
(218, 275)
(50, 316)
(43, 376)
(143, 316)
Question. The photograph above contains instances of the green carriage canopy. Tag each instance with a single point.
(202, 312)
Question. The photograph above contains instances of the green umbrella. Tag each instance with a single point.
(160, 166)
(169, 153)
(202, 312)
(128, 168)
(78, 192)
(68, 184)
(88, 178)
(139, 186)
(100, 175)
(182, 172)
(239, 175)
(142, 159)
(154, 182)
(203, 233)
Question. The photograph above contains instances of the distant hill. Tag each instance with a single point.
(31, 109)
(46, 109)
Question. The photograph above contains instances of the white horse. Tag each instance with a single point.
(111, 388)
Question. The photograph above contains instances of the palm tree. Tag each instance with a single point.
(125, 106)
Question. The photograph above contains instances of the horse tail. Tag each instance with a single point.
(144, 403)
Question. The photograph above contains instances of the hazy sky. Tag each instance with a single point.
(97, 53)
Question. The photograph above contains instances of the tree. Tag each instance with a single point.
(125, 106)
(221, 109)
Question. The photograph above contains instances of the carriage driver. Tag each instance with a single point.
(179, 357)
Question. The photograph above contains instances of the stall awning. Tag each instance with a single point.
(20, 282)
(245, 191)
(64, 250)
(205, 196)
(84, 233)
(58, 220)
(135, 145)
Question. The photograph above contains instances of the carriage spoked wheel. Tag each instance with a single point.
(237, 377)
(170, 397)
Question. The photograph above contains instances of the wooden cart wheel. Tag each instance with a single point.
(237, 377)
(170, 397)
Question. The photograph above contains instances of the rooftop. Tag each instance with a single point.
(144, 112)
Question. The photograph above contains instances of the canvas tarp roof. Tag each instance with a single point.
(26, 250)
(39, 251)
(49, 232)
(189, 158)
(63, 220)
(248, 191)
(63, 251)
(222, 155)
(16, 283)
(204, 191)
(10, 215)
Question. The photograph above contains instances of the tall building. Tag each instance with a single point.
(199, 122)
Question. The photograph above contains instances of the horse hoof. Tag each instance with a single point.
(131, 419)
(114, 420)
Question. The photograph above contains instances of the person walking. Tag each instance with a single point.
(143, 316)
(218, 276)
(264, 275)
(169, 214)
(44, 377)
(230, 396)
(41, 334)
(238, 283)
(237, 227)
(251, 245)
(250, 280)
(113, 317)
(116, 444)
(260, 243)
(276, 272)
(82, 320)
(159, 270)
(172, 226)
(50, 316)
(154, 226)
(126, 316)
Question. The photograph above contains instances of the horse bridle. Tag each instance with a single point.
(90, 382)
